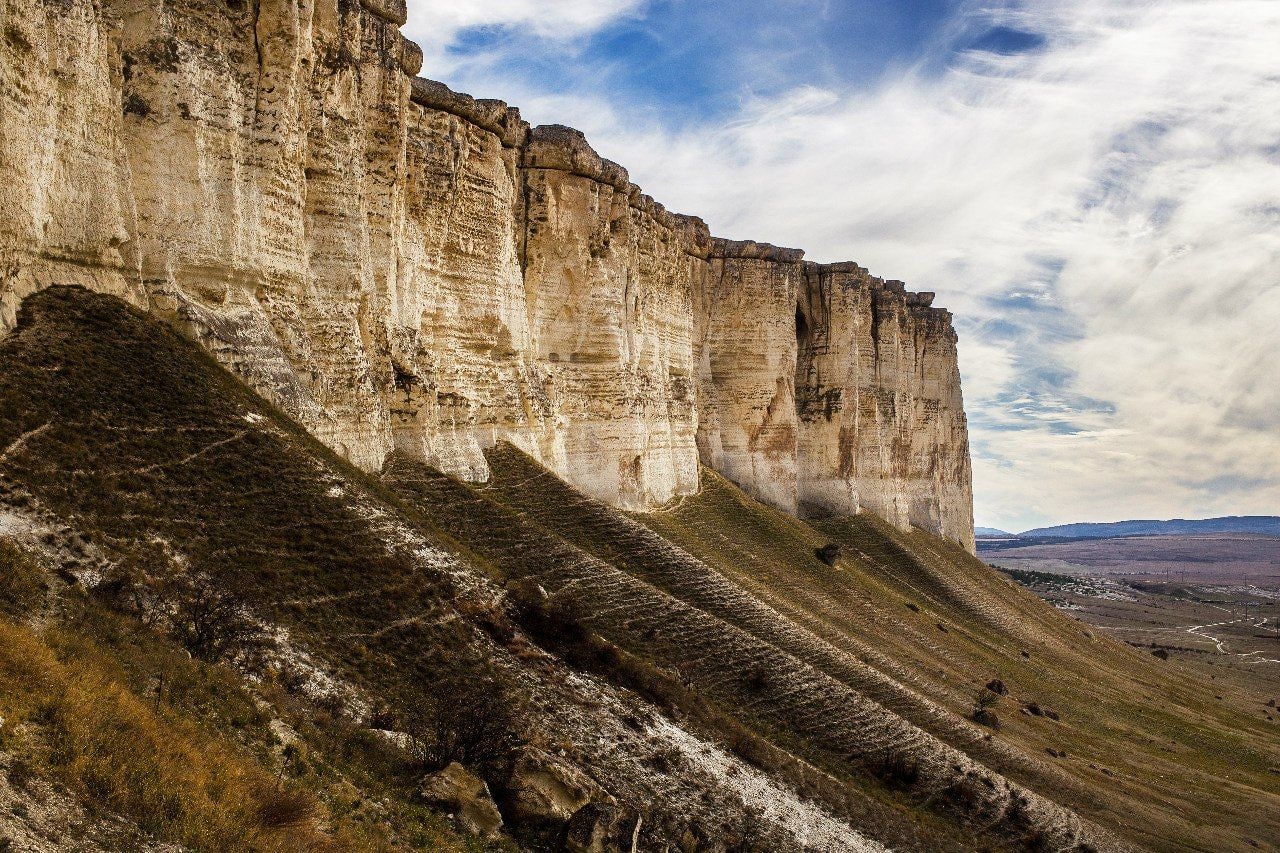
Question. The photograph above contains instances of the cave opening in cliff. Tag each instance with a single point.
(803, 353)
(802, 326)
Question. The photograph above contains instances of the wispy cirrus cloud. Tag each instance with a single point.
(1094, 191)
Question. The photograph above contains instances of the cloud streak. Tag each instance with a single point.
(437, 24)
(1101, 212)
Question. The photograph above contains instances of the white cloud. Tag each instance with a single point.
(1103, 216)
(436, 24)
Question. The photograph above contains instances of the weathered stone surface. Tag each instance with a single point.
(608, 291)
(547, 791)
(881, 420)
(399, 265)
(493, 116)
(465, 796)
(825, 391)
(66, 215)
(746, 351)
(564, 149)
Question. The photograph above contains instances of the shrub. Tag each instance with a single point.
(897, 769)
(828, 553)
(210, 621)
(986, 717)
(987, 698)
(472, 715)
(284, 808)
(964, 792)
(665, 760)
(757, 678)
(213, 623)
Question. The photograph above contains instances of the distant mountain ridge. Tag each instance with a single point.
(1265, 524)
(991, 533)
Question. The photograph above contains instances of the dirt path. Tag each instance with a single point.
(1220, 644)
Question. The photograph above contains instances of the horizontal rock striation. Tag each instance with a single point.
(403, 267)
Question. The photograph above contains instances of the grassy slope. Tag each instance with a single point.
(1150, 751)
(622, 628)
(153, 458)
(130, 725)
(115, 423)
(654, 600)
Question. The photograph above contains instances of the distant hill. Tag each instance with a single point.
(1266, 524)
(990, 533)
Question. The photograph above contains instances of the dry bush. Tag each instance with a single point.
(986, 698)
(285, 808)
(472, 715)
(898, 770)
(213, 623)
(829, 553)
(210, 621)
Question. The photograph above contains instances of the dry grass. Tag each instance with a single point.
(1130, 725)
(126, 402)
(141, 441)
(125, 755)
(22, 584)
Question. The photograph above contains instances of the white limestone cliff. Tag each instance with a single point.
(401, 266)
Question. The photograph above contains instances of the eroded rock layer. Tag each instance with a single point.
(400, 266)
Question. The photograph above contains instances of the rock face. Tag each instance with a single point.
(400, 266)
(465, 796)
(825, 391)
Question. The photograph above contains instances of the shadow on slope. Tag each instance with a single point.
(628, 595)
(170, 492)
(1151, 751)
(901, 636)
(140, 460)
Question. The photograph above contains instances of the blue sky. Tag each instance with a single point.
(694, 61)
(1091, 186)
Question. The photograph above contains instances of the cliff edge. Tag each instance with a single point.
(402, 267)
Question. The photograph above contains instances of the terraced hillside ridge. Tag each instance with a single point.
(901, 637)
(367, 648)
(403, 268)
(1140, 745)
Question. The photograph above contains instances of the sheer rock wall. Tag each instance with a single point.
(401, 266)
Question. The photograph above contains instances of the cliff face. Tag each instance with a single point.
(402, 267)
(825, 391)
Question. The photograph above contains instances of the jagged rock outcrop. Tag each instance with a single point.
(400, 266)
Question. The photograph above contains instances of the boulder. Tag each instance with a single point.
(597, 828)
(986, 717)
(465, 796)
(546, 791)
